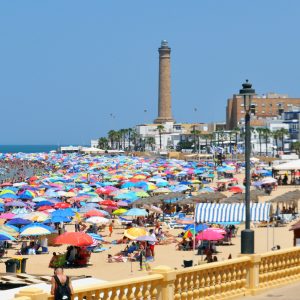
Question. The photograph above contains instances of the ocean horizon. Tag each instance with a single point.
(28, 148)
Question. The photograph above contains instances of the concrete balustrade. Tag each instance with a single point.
(249, 274)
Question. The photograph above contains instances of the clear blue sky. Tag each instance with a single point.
(67, 65)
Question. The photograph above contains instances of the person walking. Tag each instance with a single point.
(110, 228)
(61, 286)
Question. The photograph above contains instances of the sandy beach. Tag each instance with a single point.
(265, 239)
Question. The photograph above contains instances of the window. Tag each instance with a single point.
(242, 111)
(262, 111)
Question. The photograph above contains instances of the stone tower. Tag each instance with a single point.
(164, 87)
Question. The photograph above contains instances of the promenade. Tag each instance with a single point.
(290, 292)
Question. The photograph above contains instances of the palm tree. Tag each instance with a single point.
(103, 143)
(196, 133)
(296, 147)
(266, 134)
(281, 134)
(129, 130)
(206, 137)
(260, 132)
(231, 133)
(275, 135)
(111, 136)
(222, 136)
(150, 140)
(160, 128)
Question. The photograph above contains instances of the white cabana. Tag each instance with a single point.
(289, 166)
(235, 212)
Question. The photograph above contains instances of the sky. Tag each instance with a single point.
(72, 70)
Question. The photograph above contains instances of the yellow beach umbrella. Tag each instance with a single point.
(135, 232)
(119, 211)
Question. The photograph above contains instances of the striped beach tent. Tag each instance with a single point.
(235, 212)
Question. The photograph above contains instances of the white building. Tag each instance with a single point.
(170, 135)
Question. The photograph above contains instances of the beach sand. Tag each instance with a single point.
(265, 239)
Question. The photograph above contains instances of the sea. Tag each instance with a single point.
(27, 148)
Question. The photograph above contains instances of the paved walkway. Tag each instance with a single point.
(289, 292)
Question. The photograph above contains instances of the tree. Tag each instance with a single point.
(296, 147)
(281, 134)
(160, 128)
(184, 145)
(222, 137)
(266, 134)
(112, 136)
(103, 143)
(206, 137)
(196, 133)
(260, 132)
(150, 141)
(129, 130)
(275, 135)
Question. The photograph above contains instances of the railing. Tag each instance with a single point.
(233, 278)
(279, 267)
(147, 287)
(218, 280)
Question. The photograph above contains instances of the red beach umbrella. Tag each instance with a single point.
(79, 239)
(62, 205)
(94, 213)
(108, 203)
(45, 207)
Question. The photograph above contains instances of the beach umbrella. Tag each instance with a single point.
(108, 203)
(190, 233)
(146, 238)
(7, 216)
(57, 219)
(9, 196)
(68, 212)
(199, 227)
(136, 212)
(62, 205)
(123, 203)
(94, 213)
(79, 239)
(43, 208)
(10, 229)
(18, 222)
(35, 230)
(15, 204)
(135, 232)
(209, 235)
(93, 200)
(4, 236)
(97, 220)
(236, 189)
(119, 211)
(44, 203)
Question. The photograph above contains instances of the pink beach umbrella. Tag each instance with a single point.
(209, 235)
(7, 216)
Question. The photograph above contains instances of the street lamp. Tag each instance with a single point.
(247, 235)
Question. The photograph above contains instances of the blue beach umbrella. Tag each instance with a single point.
(18, 222)
(68, 212)
(6, 237)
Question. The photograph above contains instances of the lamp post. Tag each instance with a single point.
(247, 235)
